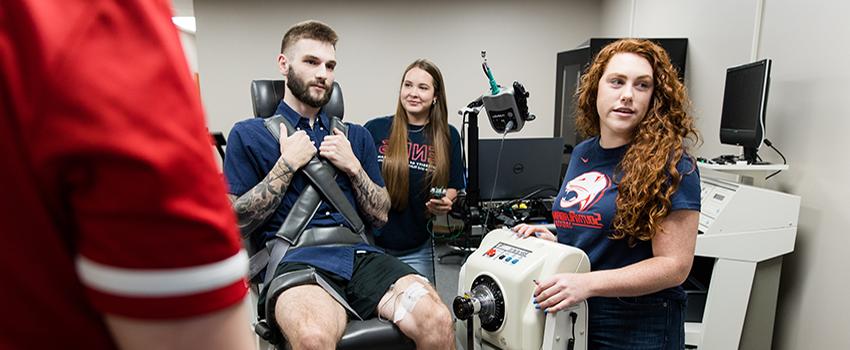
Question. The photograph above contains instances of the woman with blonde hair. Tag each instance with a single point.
(418, 151)
(630, 200)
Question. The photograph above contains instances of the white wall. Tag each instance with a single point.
(808, 43)
(187, 39)
(807, 120)
(239, 41)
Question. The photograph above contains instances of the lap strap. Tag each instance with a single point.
(276, 248)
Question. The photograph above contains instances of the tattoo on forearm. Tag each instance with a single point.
(255, 206)
(373, 199)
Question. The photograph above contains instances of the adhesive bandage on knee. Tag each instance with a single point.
(408, 299)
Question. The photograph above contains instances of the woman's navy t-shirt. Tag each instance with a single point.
(585, 206)
(407, 229)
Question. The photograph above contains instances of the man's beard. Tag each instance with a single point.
(301, 91)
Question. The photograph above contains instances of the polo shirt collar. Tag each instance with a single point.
(293, 117)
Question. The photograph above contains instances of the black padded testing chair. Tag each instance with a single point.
(370, 334)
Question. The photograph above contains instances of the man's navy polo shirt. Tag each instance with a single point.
(252, 151)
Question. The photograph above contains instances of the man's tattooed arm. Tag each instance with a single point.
(255, 206)
(374, 200)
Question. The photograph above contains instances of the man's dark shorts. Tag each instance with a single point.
(373, 275)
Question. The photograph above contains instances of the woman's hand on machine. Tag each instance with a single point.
(525, 230)
(560, 291)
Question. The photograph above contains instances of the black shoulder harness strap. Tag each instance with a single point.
(322, 185)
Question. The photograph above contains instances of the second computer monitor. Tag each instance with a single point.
(744, 107)
(525, 165)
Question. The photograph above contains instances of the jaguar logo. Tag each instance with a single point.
(585, 190)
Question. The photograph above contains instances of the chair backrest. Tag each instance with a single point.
(266, 95)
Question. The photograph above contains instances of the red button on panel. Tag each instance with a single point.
(491, 252)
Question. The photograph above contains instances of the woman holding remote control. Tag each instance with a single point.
(630, 200)
(420, 159)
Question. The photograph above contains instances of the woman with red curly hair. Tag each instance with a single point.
(630, 200)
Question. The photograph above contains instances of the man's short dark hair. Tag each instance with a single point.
(311, 29)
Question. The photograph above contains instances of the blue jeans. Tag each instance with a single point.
(639, 323)
(420, 259)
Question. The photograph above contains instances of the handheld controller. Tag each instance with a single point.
(438, 192)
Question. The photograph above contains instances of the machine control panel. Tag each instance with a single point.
(714, 198)
(507, 253)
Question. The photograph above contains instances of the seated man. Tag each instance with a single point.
(265, 182)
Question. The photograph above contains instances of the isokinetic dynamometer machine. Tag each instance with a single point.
(495, 307)
(495, 289)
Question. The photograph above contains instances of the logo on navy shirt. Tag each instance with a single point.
(418, 155)
(585, 190)
(582, 192)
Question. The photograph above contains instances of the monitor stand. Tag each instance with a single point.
(751, 155)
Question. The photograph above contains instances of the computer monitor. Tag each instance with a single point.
(524, 166)
(745, 106)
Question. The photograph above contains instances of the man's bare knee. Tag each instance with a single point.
(310, 318)
(313, 338)
(436, 322)
(428, 321)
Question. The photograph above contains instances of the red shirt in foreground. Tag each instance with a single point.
(111, 198)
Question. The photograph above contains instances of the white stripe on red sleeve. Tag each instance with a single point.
(162, 282)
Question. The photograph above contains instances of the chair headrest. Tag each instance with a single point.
(266, 95)
(335, 106)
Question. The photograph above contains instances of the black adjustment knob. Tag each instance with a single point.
(266, 332)
(263, 330)
(463, 308)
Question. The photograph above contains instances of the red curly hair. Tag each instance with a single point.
(647, 175)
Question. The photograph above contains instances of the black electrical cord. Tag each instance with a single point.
(536, 192)
(474, 104)
(463, 141)
(498, 160)
(571, 343)
(784, 161)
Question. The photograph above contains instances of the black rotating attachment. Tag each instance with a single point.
(521, 97)
(486, 301)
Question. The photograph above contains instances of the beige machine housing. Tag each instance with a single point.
(514, 263)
